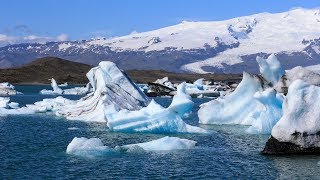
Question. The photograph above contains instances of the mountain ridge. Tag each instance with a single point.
(228, 46)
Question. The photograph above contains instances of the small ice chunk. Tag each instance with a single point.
(87, 147)
(163, 144)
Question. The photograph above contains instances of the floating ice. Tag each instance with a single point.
(94, 147)
(165, 81)
(270, 69)
(236, 108)
(300, 123)
(156, 119)
(113, 91)
(163, 144)
(63, 85)
(293, 74)
(7, 107)
(7, 89)
(87, 147)
(51, 104)
(269, 115)
(72, 91)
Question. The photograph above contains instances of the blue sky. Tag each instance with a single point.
(82, 19)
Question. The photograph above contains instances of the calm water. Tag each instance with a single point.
(33, 146)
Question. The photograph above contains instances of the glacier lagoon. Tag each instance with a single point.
(34, 146)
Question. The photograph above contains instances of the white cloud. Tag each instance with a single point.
(62, 37)
(9, 39)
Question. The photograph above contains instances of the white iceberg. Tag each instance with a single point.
(7, 107)
(270, 69)
(236, 108)
(269, 115)
(63, 85)
(300, 123)
(87, 147)
(94, 147)
(113, 91)
(295, 73)
(50, 104)
(199, 89)
(163, 144)
(156, 119)
(72, 91)
(165, 81)
(7, 89)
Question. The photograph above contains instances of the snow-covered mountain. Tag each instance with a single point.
(229, 46)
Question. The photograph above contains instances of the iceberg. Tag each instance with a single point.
(7, 107)
(72, 91)
(270, 69)
(87, 147)
(236, 108)
(300, 123)
(163, 144)
(295, 73)
(271, 113)
(297, 132)
(113, 91)
(156, 119)
(7, 89)
(94, 147)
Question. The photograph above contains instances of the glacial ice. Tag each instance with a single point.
(270, 69)
(72, 91)
(156, 119)
(7, 107)
(300, 123)
(94, 147)
(87, 147)
(266, 118)
(7, 89)
(295, 73)
(236, 108)
(163, 144)
(113, 91)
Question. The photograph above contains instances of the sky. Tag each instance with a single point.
(59, 20)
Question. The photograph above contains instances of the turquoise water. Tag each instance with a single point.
(33, 146)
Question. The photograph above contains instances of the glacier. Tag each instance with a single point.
(156, 119)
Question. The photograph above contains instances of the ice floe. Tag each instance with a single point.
(7, 89)
(94, 147)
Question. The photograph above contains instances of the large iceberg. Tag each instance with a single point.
(156, 119)
(113, 90)
(94, 146)
(295, 73)
(300, 123)
(236, 108)
(254, 102)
